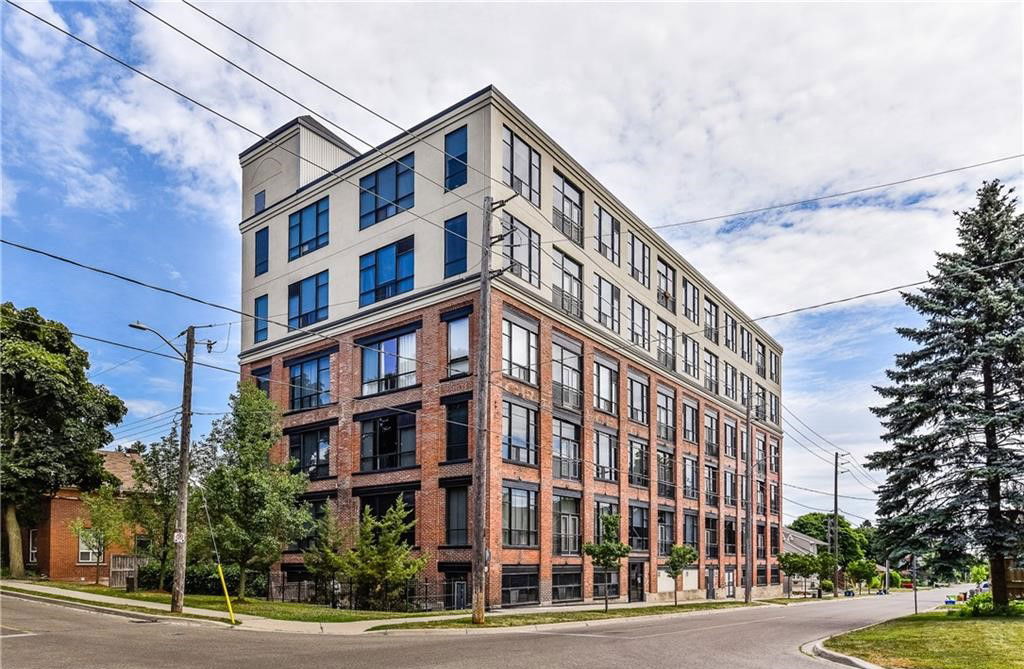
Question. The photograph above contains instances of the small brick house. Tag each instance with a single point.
(52, 549)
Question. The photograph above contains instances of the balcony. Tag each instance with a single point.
(566, 468)
(692, 368)
(666, 489)
(606, 473)
(566, 302)
(639, 479)
(667, 300)
(568, 227)
(667, 359)
(760, 369)
(389, 382)
(730, 500)
(711, 332)
(666, 432)
(711, 448)
(711, 498)
(566, 397)
(711, 384)
(690, 492)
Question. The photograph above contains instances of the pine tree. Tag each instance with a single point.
(954, 412)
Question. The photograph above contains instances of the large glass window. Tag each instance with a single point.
(711, 372)
(85, 553)
(639, 323)
(522, 249)
(666, 416)
(311, 452)
(567, 209)
(307, 301)
(666, 285)
(567, 525)
(387, 272)
(520, 166)
(519, 433)
(639, 463)
(690, 423)
(567, 377)
(261, 325)
(730, 381)
(711, 485)
(389, 364)
(262, 239)
(639, 260)
(606, 388)
(665, 341)
(730, 332)
(567, 288)
(729, 487)
(308, 229)
(458, 346)
(520, 586)
(607, 303)
(567, 586)
(607, 237)
(773, 366)
(456, 516)
(310, 383)
(565, 449)
(729, 540)
(639, 399)
(379, 505)
(606, 456)
(666, 474)
(639, 528)
(690, 531)
(457, 431)
(519, 352)
(456, 157)
(519, 516)
(729, 439)
(455, 246)
(606, 583)
(690, 481)
(710, 320)
(602, 509)
(691, 356)
(711, 433)
(691, 301)
(388, 442)
(746, 345)
(711, 537)
(387, 191)
(760, 358)
(666, 531)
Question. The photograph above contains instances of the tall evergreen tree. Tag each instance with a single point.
(954, 412)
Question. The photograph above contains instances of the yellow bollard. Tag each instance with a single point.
(231, 612)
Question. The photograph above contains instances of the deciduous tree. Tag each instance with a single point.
(679, 558)
(607, 553)
(107, 524)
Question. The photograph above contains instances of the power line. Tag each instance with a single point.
(823, 492)
(820, 436)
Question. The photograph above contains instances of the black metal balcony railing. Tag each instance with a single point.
(606, 473)
(711, 498)
(567, 226)
(664, 547)
(711, 448)
(566, 396)
(666, 489)
(389, 382)
(760, 552)
(730, 549)
(667, 300)
(666, 432)
(666, 359)
(566, 468)
(567, 544)
(711, 551)
(730, 500)
(759, 412)
(760, 369)
(774, 508)
(566, 302)
(639, 479)
(691, 368)
(690, 492)
(711, 332)
(639, 542)
(760, 509)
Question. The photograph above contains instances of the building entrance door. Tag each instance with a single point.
(636, 581)
(710, 576)
(730, 583)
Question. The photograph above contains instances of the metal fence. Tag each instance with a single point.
(414, 596)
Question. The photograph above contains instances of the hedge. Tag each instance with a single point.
(202, 579)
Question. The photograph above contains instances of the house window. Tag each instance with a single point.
(458, 346)
(690, 423)
(746, 344)
(567, 290)
(386, 272)
(639, 324)
(639, 529)
(745, 389)
(666, 531)
(308, 229)
(456, 516)
(262, 242)
(567, 525)
(711, 433)
(773, 366)
(691, 301)
(602, 509)
(690, 480)
(261, 377)
(261, 325)
(666, 285)
(666, 416)
(606, 388)
(387, 191)
(760, 548)
(388, 442)
(567, 209)
(729, 536)
(520, 166)
(711, 485)
(710, 320)
(691, 357)
(519, 352)
(665, 341)
(606, 583)
(774, 549)
(519, 586)
(456, 158)
(773, 461)
(389, 364)
(565, 449)
(774, 498)
(86, 554)
(729, 439)
(730, 381)
(522, 249)
(606, 457)
(307, 301)
(666, 474)
(639, 399)
(760, 402)
(639, 463)
(455, 246)
(567, 377)
(567, 586)
(311, 452)
(639, 260)
(457, 431)
(607, 236)
(310, 383)
(33, 546)
(607, 304)
(711, 537)
(760, 359)
(711, 372)
(519, 433)
(260, 201)
(519, 516)
(729, 487)
(730, 332)
(744, 447)
(379, 505)
(690, 531)
(773, 408)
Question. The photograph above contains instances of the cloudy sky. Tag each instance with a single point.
(684, 111)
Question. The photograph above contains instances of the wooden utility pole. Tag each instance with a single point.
(481, 396)
(749, 548)
(835, 524)
(181, 527)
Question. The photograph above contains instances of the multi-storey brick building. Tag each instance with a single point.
(618, 371)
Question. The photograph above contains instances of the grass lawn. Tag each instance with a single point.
(119, 607)
(938, 641)
(254, 607)
(543, 618)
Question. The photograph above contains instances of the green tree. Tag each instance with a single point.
(252, 500)
(954, 411)
(107, 524)
(53, 420)
(816, 525)
(798, 565)
(861, 571)
(826, 568)
(382, 563)
(679, 558)
(325, 559)
(979, 573)
(607, 553)
(153, 504)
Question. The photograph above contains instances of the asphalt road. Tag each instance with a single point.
(44, 636)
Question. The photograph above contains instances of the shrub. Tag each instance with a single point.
(826, 585)
(202, 579)
(981, 606)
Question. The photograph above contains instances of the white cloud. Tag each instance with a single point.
(144, 408)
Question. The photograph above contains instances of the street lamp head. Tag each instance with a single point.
(138, 326)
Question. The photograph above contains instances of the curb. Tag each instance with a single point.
(817, 649)
(99, 608)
